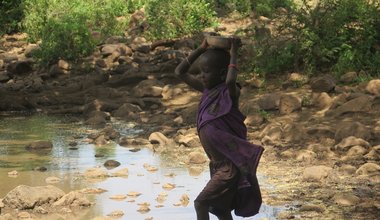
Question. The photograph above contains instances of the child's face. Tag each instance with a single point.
(210, 75)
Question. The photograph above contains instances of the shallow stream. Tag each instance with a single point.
(68, 164)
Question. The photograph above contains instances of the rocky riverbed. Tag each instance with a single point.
(321, 134)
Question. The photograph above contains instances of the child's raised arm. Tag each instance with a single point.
(232, 70)
(183, 68)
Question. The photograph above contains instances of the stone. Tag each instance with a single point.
(269, 101)
(197, 158)
(63, 64)
(110, 164)
(316, 173)
(27, 197)
(324, 83)
(116, 213)
(254, 119)
(355, 129)
(161, 139)
(374, 153)
(148, 88)
(347, 169)
(312, 208)
(306, 156)
(349, 77)
(190, 140)
(289, 104)
(95, 173)
(322, 100)
(73, 198)
(346, 199)
(20, 67)
(368, 169)
(39, 145)
(356, 151)
(52, 180)
(127, 110)
(4, 77)
(121, 173)
(373, 87)
(360, 104)
(349, 142)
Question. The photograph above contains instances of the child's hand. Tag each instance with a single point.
(235, 44)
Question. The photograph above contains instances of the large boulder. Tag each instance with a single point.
(27, 197)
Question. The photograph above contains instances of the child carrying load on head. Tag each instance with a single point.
(233, 160)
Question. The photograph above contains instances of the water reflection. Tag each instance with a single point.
(67, 164)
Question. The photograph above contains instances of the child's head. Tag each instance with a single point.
(214, 65)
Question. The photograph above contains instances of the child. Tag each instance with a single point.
(220, 124)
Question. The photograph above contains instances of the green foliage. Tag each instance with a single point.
(241, 6)
(334, 35)
(133, 5)
(174, 18)
(11, 14)
(71, 29)
(268, 7)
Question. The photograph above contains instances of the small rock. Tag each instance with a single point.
(373, 87)
(13, 173)
(117, 213)
(306, 155)
(24, 215)
(346, 199)
(52, 180)
(118, 197)
(92, 191)
(121, 173)
(312, 208)
(168, 186)
(197, 158)
(110, 164)
(134, 194)
(349, 77)
(316, 173)
(349, 142)
(368, 169)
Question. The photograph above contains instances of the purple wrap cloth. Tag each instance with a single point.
(222, 125)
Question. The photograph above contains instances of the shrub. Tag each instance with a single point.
(67, 29)
(174, 18)
(334, 35)
(268, 7)
(11, 14)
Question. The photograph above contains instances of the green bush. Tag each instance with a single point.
(133, 5)
(334, 35)
(228, 6)
(11, 14)
(70, 29)
(268, 7)
(174, 18)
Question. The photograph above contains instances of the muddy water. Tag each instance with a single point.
(17, 131)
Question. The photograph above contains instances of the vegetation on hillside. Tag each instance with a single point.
(309, 36)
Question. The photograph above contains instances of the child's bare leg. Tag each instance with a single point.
(201, 210)
(224, 216)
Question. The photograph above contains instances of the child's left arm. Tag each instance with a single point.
(232, 70)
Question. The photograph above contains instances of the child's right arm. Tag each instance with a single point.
(182, 69)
